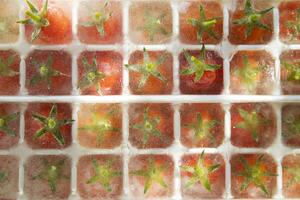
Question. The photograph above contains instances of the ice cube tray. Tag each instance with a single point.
(278, 150)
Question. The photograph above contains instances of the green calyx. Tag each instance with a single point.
(153, 25)
(148, 127)
(45, 73)
(247, 74)
(101, 126)
(204, 25)
(252, 19)
(5, 123)
(251, 121)
(202, 128)
(148, 68)
(3, 176)
(254, 174)
(152, 173)
(200, 173)
(103, 174)
(51, 125)
(5, 67)
(99, 19)
(197, 66)
(36, 18)
(92, 76)
(293, 70)
(294, 26)
(294, 172)
(52, 173)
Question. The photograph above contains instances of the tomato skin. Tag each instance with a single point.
(210, 83)
(288, 162)
(268, 164)
(288, 12)
(85, 171)
(266, 133)
(165, 126)
(112, 27)
(188, 113)
(62, 62)
(88, 139)
(110, 63)
(190, 9)
(47, 141)
(259, 36)
(216, 178)
(59, 30)
(138, 162)
(153, 85)
(10, 85)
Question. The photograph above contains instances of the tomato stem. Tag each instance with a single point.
(5, 67)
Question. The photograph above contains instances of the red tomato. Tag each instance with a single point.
(164, 113)
(39, 188)
(7, 141)
(211, 81)
(9, 165)
(288, 14)
(9, 84)
(267, 164)
(266, 130)
(237, 33)
(290, 169)
(59, 30)
(290, 125)
(153, 85)
(290, 57)
(112, 27)
(109, 63)
(85, 171)
(155, 191)
(216, 178)
(190, 10)
(100, 113)
(263, 82)
(62, 62)
(209, 112)
(47, 141)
